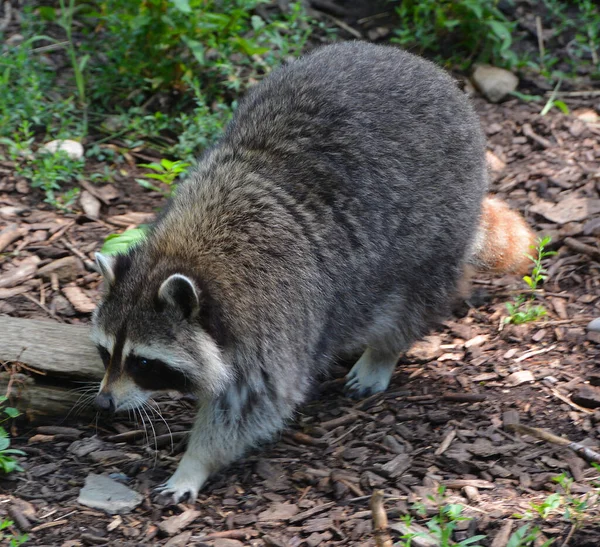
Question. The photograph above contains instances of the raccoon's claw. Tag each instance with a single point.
(185, 482)
(177, 494)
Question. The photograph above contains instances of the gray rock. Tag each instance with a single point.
(73, 149)
(594, 325)
(112, 497)
(494, 83)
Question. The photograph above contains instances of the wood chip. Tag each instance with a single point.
(457, 484)
(175, 524)
(24, 271)
(130, 219)
(10, 234)
(79, 300)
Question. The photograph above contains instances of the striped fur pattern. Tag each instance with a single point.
(334, 217)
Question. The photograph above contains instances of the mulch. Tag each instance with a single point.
(445, 420)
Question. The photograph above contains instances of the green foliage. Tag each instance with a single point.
(14, 539)
(27, 94)
(525, 536)
(7, 461)
(443, 525)
(522, 310)
(44, 169)
(475, 30)
(162, 44)
(121, 243)
(165, 172)
(554, 102)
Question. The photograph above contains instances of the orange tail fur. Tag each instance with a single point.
(503, 240)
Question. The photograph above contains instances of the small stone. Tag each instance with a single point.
(90, 204)
(61, 306)
(73, 149)
(175, 524)
(594, 325)
(519, 377)
(66, 269)
(494, 83)
(100, 492)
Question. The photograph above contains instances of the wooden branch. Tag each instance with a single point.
(35, 401)
(53, 348)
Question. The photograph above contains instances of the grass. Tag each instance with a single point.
(164, 76)
(574, 510)
(13, 538)
(522, 309)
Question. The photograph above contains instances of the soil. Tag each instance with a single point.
(445, 419)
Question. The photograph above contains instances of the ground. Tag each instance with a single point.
(443, 421)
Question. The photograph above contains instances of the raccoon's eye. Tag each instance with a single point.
(143, 362)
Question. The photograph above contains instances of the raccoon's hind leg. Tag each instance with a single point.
(371, 373)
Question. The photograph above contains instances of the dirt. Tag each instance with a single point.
(444, 420)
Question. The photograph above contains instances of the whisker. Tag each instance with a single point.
(153, 432)
(158, 412)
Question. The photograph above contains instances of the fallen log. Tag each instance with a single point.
(37, 401)
(47, 365)
(55, 349)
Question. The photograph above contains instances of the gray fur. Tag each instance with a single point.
(335, 214)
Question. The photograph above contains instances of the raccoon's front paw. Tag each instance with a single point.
(369, 375)
(185, 482)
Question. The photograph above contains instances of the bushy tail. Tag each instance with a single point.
(503, 240)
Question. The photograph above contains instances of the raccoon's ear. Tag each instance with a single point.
(106, 265)
(179, 292)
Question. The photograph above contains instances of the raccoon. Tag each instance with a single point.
(336, 216)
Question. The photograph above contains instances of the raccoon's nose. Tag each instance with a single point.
(105, 401)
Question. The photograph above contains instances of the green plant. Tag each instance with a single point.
(554, 102)
(14, 539)
(166, 172)
(120, 243)
(476, 29)
(442, 526)
(7, 462)
(525, 536)
(522, 310)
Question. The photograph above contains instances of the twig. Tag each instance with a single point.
(529, 132)
(532, 353)
(380, 520)
(345, 27)
(446, 442)
(583, 248)
(569, 535)
(585, 451)
(540, 37)
(45, 308)
(589, 93)
(564, 399)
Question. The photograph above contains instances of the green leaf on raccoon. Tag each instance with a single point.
(121, 243)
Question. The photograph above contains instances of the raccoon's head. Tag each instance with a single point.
(151, 329)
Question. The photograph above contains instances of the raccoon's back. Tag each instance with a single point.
(377, 146)
(347, 180)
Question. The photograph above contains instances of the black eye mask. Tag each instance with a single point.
(156, 375)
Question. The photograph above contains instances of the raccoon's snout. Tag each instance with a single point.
(105, 401)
